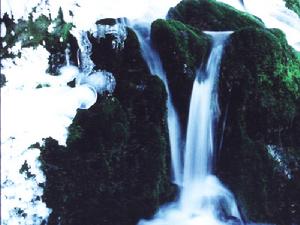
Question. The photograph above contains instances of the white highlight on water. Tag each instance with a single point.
(155, 65)
(118, 30)
(202, 112)
(203, 199)
(275, 15)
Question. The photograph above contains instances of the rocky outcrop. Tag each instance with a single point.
(183, 49)
(293, 5)
(210, 15)
(259, 97)
(115, 168)
(257, 137)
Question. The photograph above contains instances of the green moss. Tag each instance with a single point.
(182, 49)
(269, 77)
(259, 85)
(293, 5)
(34, 32)
(61, 28)
(212, 15)
(116, 166)
(188, 44)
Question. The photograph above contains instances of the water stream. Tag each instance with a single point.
(155, 65)
(39, 113)
(203, 199)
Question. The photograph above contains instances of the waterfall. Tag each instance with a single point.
(203, 109)
(274, 14)
(203, 199)
(155, 65)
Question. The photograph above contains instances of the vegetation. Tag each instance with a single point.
(183, 49)
(260, 86)
(210, 15)
(34, 32)
(259, 101)
(293, 5)
(116, 166)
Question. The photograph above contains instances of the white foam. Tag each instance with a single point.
(275, 15)
(146, 10)
(29, 114)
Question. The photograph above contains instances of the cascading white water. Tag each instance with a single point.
(203, 199)
(154, 63)
(203, 108)
(29, 114)
(275, 15)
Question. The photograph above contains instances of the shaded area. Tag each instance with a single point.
(260, 86)
(116, 166)
(182, 49)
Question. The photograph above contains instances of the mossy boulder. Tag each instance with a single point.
(293, 5)
(182, 49)
(115, 168)
(259, 97)
(210, 15)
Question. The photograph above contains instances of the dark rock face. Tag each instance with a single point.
(259, 103)
(259, 88)
(182, 49)
(210, 15)
(116, 166)
(2, 80)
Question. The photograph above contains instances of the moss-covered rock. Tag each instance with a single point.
(293, 5)
(116, 166)
(259, 91)
(182, 49)
(211, 15)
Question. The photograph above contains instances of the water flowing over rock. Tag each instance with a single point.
(133, 113)
(116, 28)
(203, 199)
(156, 68)
(182, 49)
(275, 14)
